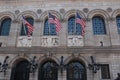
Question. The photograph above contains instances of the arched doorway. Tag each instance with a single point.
(20, 71)
(48, 71)
(76, 71)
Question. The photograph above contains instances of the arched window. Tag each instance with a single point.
(73, 28)
(21, 71)
(24, 29)
(76, 71)
(118, 23)
(98, 25)
(5, 27)
(49, 29)
(48, 71)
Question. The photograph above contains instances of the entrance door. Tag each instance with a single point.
(48, 71)
(21, 71)
(76, 71)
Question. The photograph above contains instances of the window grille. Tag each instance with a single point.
(5, 27)
(24, 29)
(73, 28)
(49, 29)
(76, 71)
(118, 23)
(105, 73)
(98, 25)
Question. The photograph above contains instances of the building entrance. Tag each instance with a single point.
(21, 71)
(76, 71)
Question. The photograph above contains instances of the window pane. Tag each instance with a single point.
(78, 29)
(49, 29)
(24, 29)
(105, 73)
(98, 25)
(5, 27)
(118, 23)
(73, 28)
(71, 25)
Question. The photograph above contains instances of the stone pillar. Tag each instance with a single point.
(9, 71)
(63, 34)
(37, 33)
(12, 38)
(33, 76)
(88, 38)
(62, 76)
(5, 75)
(114, 36)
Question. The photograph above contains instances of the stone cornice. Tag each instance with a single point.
(61, 50)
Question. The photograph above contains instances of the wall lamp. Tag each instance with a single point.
(4, 65)
(33, 65)
(61, 64)
(94, 66)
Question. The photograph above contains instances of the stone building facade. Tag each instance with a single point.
(94, 56)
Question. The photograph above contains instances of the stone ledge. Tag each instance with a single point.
(59, 50)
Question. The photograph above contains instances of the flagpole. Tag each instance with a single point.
(24, 28)
(75, 22)
(48, 21)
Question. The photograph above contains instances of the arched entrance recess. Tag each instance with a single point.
(76, 71)
(20, 71)
(48, 71)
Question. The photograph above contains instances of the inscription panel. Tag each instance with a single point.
(75, 41)
(48, 41)
(24, 41)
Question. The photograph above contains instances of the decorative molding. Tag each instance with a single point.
(15, 21)
(38, 20)
(17, 12)
(86, 10)
(112, 19)
(88, 19)
(39, 11)
(62, 10)
(109, 9)
(75, 41)
(50, 41)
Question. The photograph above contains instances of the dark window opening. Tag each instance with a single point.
(5, 27)
(21, 71)
(76, 71)
(24, 29)
(98, 25)
(105, 73)
(48, 71)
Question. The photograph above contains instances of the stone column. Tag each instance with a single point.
(88, 38)
(12, 38)
(37, 33)
(62, 76)
(114, 36)
(63, 33)
(33, 76)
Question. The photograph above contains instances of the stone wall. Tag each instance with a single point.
(44, 47)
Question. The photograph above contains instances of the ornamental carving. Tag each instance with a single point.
(48, 41)
(75, 41)
(24, 41)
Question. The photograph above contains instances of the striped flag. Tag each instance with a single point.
(28, 25)
(80, 21)
(54, 20)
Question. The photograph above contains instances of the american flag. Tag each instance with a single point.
(80, 21)
(54, 20)
(28, 25)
